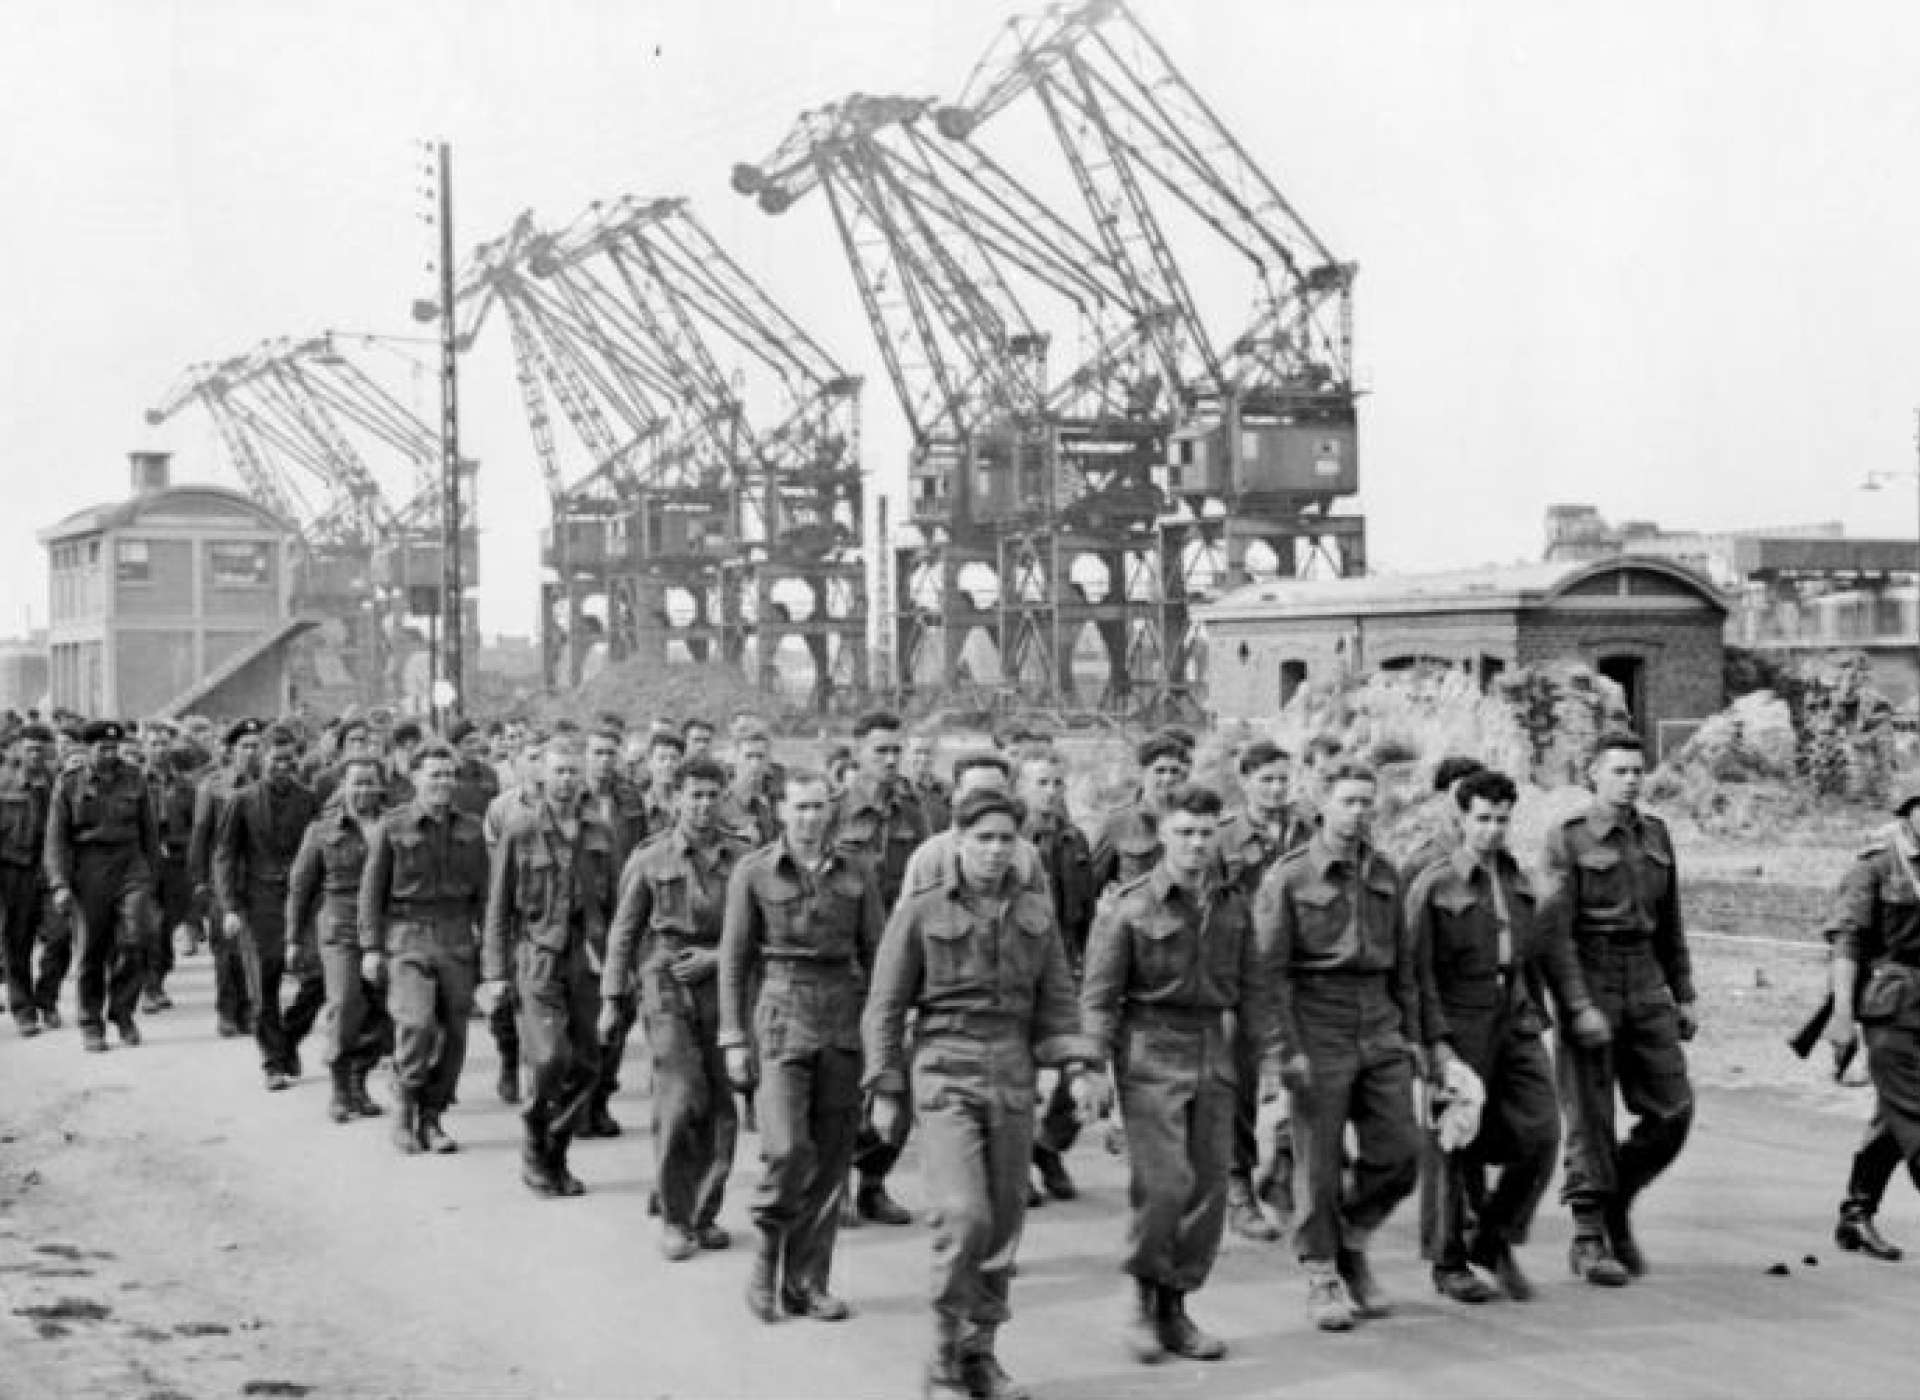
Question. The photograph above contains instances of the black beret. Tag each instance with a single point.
(240, 729)
(460, 731)
(38, 733)
(102, 731)
(1160, 746)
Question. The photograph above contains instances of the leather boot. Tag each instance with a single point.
(570, 1185)
(536, 1160)
(763, 1277)
(985, 1377)
(364, 1103)
(508, 1086)
(340, 1106)
(1141, 1332)
(433, 1137)
(1620, 1234)
(406, 1125)
(1857, 1234)
(1180, 1335)
(944, 1378)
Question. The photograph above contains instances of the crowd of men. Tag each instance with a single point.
(1292, 1032)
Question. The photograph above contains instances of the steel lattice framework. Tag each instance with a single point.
(1105, 495)
(625, 319)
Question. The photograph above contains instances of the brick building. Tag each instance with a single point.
(172, 601)
(1654, 626)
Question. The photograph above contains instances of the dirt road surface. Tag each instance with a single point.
(169, 1231)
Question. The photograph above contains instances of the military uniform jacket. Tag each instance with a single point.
(1876, 923)
(1249, 847)
(1614, 878)
(1467, 997)
(622, 809)
(422, 869)
(1127, 847)
(1324, 913)
(816, 933)
(989, 980)
(24, 803)
(933, 859)
(751, 811)
(210, 800)
(475, 785)
(551, 891)
(672, 896)
(260, 835)
(1066, 859)
(935, 796)
(110, 811)
(509, 804)
(173, 798)
(882, 825)
(1163, 955)
(325, 879)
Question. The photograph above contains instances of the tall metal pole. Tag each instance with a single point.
(452, 608)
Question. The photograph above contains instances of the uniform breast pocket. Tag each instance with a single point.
(787, 921)
(410, 873)
(672, 905)
(533, 882)
(952, 960)
(1658, 868)
(1461, 947)
(1321, 918)
(1603, 877)
(1023, 952)
(1161, 951)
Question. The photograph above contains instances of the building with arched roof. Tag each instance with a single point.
(174, 600)
(1655, 626)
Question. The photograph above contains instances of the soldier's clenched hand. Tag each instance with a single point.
(693, 965)
(609, 1023)
(739, 1067)
(1689, 1020)
(373, 968)
(486, 996)
(232, 925)
(1297, 1074)
(63, 901)
(1092, 1096)
(888, 1116)
(1589, 1029)
(298, 960)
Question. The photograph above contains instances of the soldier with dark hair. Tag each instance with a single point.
(1128, 844)
(665, 941)
(260, 835)
(233, 1003)
(26, 791)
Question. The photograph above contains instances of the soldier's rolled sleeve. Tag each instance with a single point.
(303, 890)
(374, 881)
(1432, 1025)
(897, 974)
(496, 938)
(1273, 933)
(1854, 932)
(739, 947)
(1109, 960)
(631, 914)
(1057, 1035)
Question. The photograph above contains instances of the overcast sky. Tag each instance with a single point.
(1663, 257)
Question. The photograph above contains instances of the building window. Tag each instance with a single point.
(239, 565)
(132, 562)
(1293, 675)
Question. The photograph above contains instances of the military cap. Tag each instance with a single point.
(101, 731)
(241, 729)
(1906, 795)
(38, 733)
(1159, 746)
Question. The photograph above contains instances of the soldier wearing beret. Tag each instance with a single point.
(1612, 877)
(103, 850)
(1875, 939)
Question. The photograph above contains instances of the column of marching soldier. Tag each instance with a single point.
(861, 952)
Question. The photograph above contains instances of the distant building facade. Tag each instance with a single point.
(172, 601)
(1655, 627)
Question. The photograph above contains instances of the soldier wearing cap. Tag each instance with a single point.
(1128, 843)
(322, 923)
(622, 807)
(422, 898)
(102, 851)
(665, 940)
(260, 835)
(475, 784)
(354, 741)
(1612, 877)
(979, 961)
(26, 790)
(548, 908)
(1875, 974)
(233, 1003)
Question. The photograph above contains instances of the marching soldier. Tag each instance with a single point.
(26, 790)
(422, 899)
(1346, 1002)
(1877, 932)
(804, 921)
(102, 850)
(259, 837)
(666, 939)
(233, 1005)
(623, 808)
(933, 792)
(979, 961)
(323, 897)
(1128, 845)
(753, 793)
(876, 817)
(547, 911)
(1614, 880)
(1173, 984)
(1483, 950)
